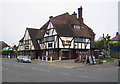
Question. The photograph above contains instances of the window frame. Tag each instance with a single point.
(50, 44)
(77, 27)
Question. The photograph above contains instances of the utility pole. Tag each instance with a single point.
(104, 42)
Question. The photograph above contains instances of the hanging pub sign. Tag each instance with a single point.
(66, 43)
(26, 47)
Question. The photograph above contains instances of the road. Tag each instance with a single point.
(13, 71)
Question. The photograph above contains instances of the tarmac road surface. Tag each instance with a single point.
(13, 71)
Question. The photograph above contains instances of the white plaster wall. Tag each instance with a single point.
(88, 46)
(72, 45)
(42, 46)
(65, 39)
(27, 36)
(52, 31)
(83, 46)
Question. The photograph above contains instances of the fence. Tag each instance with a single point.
(115, 52)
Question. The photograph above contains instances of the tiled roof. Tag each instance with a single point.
(3, 44)
(41, 31)
(21, 40)
(33, 33)
(116, 38)
(64, 26)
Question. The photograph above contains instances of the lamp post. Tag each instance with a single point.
(108, 39)
(104, 42)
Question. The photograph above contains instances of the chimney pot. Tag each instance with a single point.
(117, 33)
(74, 14)
(51, 17)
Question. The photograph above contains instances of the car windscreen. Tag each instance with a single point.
(27, 57)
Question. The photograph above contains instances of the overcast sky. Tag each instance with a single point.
(100, 15)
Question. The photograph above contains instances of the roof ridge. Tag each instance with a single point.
(61, 15)
(33, 28)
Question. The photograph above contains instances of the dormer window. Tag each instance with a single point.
(77, 27)
(48, 31)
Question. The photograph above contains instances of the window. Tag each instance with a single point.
(26, 42)
(77, 27)
(51, 52)
(48, 31)
(50, 38)
(20, 53)
(21, 43)
(49, 44)
(78, 40)
(83, 52)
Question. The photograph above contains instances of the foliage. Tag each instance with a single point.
(99, 43)
(114, 44)
(15, 47)
(109, 59)
(6, 52)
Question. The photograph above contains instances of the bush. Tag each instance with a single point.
(109, 59)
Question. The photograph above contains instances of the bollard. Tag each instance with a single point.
(86, 57)
(80, 58)
(38, 58)
(50, 59)
(42, 58)
(59, 58)
(46, 58)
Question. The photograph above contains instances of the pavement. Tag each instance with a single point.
(72, 64)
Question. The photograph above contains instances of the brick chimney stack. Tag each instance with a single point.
(80, 14)
(74, 14)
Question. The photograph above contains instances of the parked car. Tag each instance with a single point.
(19, 58)
(23, 59)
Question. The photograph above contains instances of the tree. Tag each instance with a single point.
(15, 47)
(99, 43)
(112, 44)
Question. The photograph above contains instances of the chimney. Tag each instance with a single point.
(74, 14)
(117, 33)
(80, 14)
(51, 17)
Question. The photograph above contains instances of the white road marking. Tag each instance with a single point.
(89, 77)
(117, 67)
(40, 69)
(62, 73)
(85, 76)
(44, 70)
(19, 65)
(35, 68)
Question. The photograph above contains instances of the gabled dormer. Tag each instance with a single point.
(50, 31)
(77, 27)
(28, 42)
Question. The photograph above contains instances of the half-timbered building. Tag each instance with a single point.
(64, 36)
(28, 44)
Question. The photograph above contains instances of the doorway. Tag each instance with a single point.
(65, 54)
